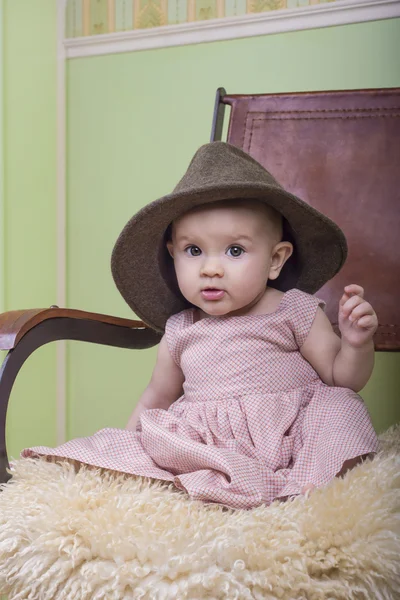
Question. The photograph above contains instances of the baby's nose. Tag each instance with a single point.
(212, 268)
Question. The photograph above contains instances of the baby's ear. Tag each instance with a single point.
(170, 247)
(280, 254)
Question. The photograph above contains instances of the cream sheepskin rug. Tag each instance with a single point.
(92, 535)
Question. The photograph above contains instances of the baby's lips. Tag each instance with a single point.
(212, 294)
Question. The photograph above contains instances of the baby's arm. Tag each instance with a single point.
(349, 361)
(164, 388)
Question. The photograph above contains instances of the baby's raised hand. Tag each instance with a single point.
(357, 319)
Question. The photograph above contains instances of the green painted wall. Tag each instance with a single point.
(134, 121)
(2, 168)
(29, 242)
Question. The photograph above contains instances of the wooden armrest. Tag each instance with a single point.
(23, 331)
(16, 323)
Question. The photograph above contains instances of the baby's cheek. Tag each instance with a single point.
(187, 284)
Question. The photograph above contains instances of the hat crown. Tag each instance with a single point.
(217, 164)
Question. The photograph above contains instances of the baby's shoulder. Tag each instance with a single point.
(290, 303)
(179, 321)
(299, 300)
(174, 330)
(301, 310)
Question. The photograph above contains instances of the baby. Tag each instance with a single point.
(224, 255)
(253, 397)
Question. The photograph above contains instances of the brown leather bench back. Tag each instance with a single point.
(340, 152)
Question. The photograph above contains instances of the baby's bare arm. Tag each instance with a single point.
(337, 362)
(164, 388)
(321, 347)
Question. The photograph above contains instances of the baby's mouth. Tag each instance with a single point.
(212, 294)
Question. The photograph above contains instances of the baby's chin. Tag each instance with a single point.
(216, 309)
(208, 309)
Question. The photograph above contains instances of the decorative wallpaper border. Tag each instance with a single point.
(88, 26)
(99, 17)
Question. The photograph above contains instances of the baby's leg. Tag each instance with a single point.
(347, 465)
(59, 459)
(352, 462)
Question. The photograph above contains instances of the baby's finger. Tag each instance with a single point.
(351, 304)
(360, 311)
(353, 288)
(343, 299)
(367, 322)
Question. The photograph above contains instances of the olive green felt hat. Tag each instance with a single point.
(141, 265)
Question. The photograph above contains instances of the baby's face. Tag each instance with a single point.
(223, 256)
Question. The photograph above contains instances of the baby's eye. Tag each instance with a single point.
(193, 250)
(235, 251)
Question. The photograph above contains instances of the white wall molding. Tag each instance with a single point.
(61, 225)
(341, 12)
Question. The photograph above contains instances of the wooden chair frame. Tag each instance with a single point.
(22, 332)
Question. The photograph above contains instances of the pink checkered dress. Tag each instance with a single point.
(255, 422)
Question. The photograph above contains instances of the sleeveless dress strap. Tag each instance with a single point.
(172, 328)
(302, 308)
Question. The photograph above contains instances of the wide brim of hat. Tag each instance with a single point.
(321, 246)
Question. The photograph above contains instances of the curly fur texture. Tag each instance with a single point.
(93, 535)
